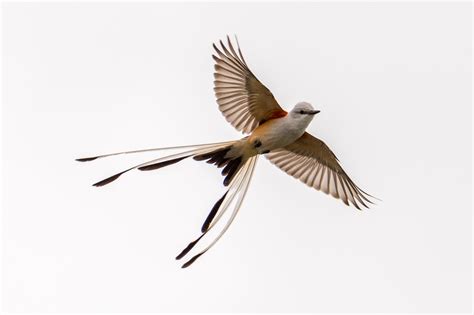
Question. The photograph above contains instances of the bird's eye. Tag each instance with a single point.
(301, 112)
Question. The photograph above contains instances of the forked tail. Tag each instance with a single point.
(221, 158)
(212, 152)
(233, 196)
(237, 170)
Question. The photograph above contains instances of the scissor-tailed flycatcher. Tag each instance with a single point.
(251, 108)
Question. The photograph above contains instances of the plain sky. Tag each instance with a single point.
(392, 81)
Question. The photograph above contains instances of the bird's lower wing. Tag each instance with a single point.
(311, 161)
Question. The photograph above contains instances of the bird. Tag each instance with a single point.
(269, 130)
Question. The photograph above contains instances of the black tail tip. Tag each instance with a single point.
(185, 251)
(86, 159)
(191, 261)
(107, 180)
(189, 247)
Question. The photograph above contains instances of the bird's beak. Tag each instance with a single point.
(313, 112)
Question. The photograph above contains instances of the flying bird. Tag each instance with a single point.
(280, 136)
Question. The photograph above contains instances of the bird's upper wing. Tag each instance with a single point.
(311, 161)
(243, 100)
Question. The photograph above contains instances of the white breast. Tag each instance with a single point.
(282, 132)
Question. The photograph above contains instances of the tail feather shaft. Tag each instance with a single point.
(164, 161)
(87, 159)
(244, 182)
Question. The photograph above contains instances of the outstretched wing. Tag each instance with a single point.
(311, 161)
(243, 100)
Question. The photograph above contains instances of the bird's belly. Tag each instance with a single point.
(271, 136)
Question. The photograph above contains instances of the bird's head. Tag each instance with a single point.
(303, 111)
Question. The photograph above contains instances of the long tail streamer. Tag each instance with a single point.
(159, 162)
(238, 184)
(87, 159)
(238, 188)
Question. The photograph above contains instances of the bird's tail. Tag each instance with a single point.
(212, 152)
(224, 157)
(233, 197)
(237, 169)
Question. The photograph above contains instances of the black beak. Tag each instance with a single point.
(313, 112)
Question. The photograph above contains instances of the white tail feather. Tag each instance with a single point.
(200, 150)
(243, 180)
(151, 150)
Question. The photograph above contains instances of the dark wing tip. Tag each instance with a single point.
(356, 205)
(369, 196)
(87, 159)
(107, 180)
(189, 262)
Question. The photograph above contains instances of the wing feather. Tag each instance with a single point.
(311, 161)
(235, 86)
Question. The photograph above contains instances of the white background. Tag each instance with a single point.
(392, 82)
